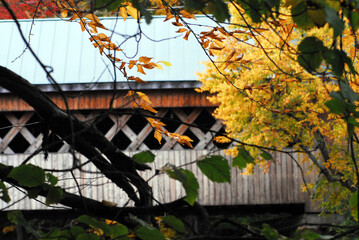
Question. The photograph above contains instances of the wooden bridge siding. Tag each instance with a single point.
(282, 183)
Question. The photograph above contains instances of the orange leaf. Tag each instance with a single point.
(181, 30)
(168, 15)
(123, 13)
(149, 65)
(144, 59)
(129, 94)
(103, 37)
(186, 36)
(82, 25)
(137, 79)
(140, 69)
(132, 63)
(158, 136)
(122, 65)
(186, 14)
(177, 24)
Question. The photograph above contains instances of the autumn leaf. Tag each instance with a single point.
(186, 36)
(140, 69)
(144, 97)
(144, 59)
(158, 136)
(123, 13)
(129, 94)
(137, 79)
(132, 63)
(186, 14)
(168, 64)
(181, 30)
(178, 24)
(133, 12)
(64, 13)
(148, 107)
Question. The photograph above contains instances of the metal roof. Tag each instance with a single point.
(67, 50)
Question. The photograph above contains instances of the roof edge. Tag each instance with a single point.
(120, 86)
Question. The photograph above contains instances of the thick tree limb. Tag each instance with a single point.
(85, 139)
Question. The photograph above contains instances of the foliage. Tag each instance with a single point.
(29, 9)
(283, 77)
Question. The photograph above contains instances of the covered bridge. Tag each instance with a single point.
(87, 80)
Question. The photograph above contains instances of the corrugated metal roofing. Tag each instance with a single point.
(67, 50)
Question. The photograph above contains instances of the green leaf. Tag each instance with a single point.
(16, 217)
(28, 175)
(221, 12)
(310, 53)
(144, 157)
(336, 106)
(194, 4)
(54, 195)
(147, 233)
(335, 58)
(244, 154)
(269, 233)
(118, 230)
(89, 236)
(174, 223)
(143, 10)
(239, 162)
(76, 230)
(216, 168)
(300, 16)
(266, 155)
(188, 180)
(33, 192)
(309, 235)
(334, 20)
(4, 193)
(347, 92)
(51, 179)
(93, 222)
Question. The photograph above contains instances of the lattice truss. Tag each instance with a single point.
(21, 132)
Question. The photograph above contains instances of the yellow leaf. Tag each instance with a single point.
(186, 14)
(168, 64)
(123, 13)
(148, 107)
(140, 69)
(158, 136)
(144, 59)
(64, 13)
(144, 97)
(159, 66)
(133, 12)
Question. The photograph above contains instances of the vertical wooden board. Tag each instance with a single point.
(202, 180)
(296, 181)
(290, 176)
(272, 182)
